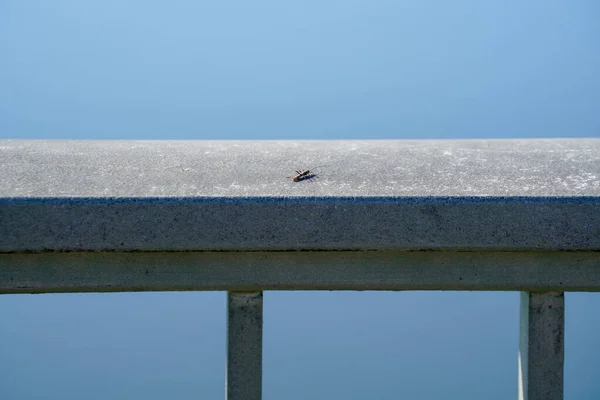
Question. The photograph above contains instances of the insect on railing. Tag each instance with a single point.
(384, 215)
(304, 175)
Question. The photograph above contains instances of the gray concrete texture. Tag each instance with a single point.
(388, 168)
(542, 346)
(244, 346)
(238, 195)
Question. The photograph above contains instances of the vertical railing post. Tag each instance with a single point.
(541, 346)
(244, 346)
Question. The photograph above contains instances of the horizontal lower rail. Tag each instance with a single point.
(257, 271)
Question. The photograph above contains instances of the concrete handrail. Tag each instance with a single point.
(79, 216)
(480, 195)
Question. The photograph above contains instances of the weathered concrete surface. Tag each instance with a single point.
(542, 346)
(237, 196)
(299, 224)
(257, 271)
(244, 346)
(388, 168)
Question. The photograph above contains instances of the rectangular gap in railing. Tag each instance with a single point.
(540, 356)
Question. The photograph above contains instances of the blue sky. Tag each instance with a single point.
(299, 69)
(292, 70)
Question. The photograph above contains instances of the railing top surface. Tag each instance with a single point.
(398, 195)
(382, 168)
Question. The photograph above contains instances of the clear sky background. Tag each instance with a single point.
(292, 70)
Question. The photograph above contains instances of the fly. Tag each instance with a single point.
(304, 175)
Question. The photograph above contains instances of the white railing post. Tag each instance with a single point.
(541, 346)
(244, 346)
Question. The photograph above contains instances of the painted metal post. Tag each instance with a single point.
(541, 346)
(244, 346)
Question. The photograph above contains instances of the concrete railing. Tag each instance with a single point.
(520, 215)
